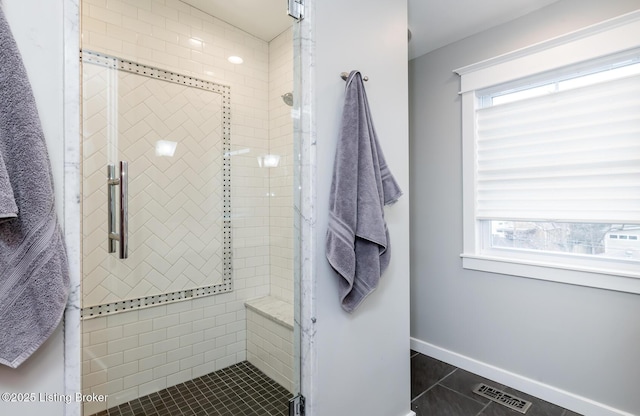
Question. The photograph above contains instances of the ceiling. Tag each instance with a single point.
(433, 23)
(264, 19)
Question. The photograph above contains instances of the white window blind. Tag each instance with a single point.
(570, 156)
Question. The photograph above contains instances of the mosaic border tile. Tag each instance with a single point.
(225, 92)
(155, 300)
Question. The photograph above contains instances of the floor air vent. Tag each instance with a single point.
(498, 396)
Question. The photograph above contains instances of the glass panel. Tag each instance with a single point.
(171, 135)
(204, 164)
(615, 241)
(296, 186)
(622, 69)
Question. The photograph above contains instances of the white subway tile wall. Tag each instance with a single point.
(270, 347)
(281, 177)
(175, 195)
(131, 354)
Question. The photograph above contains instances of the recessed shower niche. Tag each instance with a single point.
(205, 226)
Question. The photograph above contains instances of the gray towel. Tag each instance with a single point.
(357, 241)
(8, 207)
(34, 276)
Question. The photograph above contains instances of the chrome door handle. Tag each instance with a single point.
(121, 236)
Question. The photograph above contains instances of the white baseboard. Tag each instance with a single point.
(412, 413)
(579, 404)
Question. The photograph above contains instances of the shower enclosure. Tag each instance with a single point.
(187, 201)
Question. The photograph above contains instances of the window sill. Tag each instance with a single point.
(600, 278)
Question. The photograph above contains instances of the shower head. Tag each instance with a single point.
(288, 99)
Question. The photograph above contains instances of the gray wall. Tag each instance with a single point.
(362, 365)
(581, 340)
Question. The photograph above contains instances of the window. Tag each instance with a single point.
(569, 238)
(551, 159)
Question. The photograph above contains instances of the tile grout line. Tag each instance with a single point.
(462, 394)
(253, 377)
(486, 406)
(433, 385)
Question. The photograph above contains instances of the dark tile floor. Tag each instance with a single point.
(440, 389)
(239, 390)
(437, 389)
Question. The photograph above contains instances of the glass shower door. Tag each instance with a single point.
(173, 137)
(173, 318)
(171, 208)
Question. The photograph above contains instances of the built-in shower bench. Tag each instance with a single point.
(270, 338)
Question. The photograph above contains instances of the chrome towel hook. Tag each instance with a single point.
(345, 75)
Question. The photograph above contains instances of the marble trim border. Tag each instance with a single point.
(71, 203)
(305, 262)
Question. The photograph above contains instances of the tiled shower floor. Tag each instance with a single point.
(239, 390)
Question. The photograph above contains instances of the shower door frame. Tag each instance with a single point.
(304, 264)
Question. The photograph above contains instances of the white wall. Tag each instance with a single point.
(39, 38)
(568, 344)
(362, 358)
